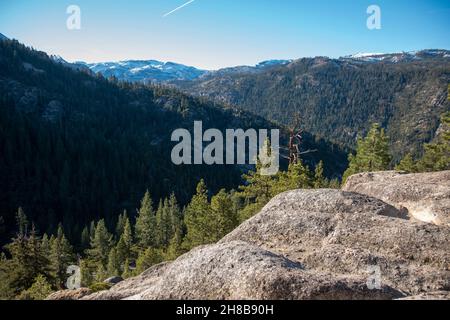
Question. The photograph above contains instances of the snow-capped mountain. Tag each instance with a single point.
(3, 37)
(169, 72)
(146, 70)
(399, 57)
(157, 71)
(247, 69)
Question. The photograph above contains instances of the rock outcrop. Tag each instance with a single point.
(348, 234)
(307, 244)
(70, 294)
(425, 196)
(441, 295)
(237, 270)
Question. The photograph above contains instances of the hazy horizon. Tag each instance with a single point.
(229, 66)
(211, 35)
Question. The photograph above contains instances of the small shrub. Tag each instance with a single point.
(100, 286)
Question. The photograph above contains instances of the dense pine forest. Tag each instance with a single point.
(87, 178)
(339, 98)
(77, 147)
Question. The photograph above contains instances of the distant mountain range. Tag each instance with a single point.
(153, 71)
(157, 71)
(338, 99)
(399, 57)
(145, 70)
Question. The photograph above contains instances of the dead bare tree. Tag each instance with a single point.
(295, 142)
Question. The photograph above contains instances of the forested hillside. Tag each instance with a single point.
(340, 98)
(77, 147)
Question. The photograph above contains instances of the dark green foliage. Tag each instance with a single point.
(197, 218)
(339, 99)
(125, 244)
(101, 243)
(114, 266)
(407, 164)
(175, 248)
(76, 147)
(146, 223)
(61, 256)
(40, 290)
(148, 258)
(85, 238)
(28, 260)
(372, 153)
(121, 224)
(224, 218)
(436, 155)
(319, 180)
(99, 286)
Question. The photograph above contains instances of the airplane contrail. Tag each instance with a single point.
(176, 9)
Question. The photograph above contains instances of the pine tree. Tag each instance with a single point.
(175, 248)
(85, 239)
(27, 261)
(175, 214)
(113, 263)
(40, 290)
(61, 257)
(127, 273)
(319, 179)
(298, 176)
(372, 153)
(87, 271)
(164, 224)
(407, 164)
(196, 218)
(121, 223)
(224, 218)
(145, 229)
(148, 258)
(100, 274)
(256, 192)
(22, 222)
(100, 246)
(125, 244)
(92, 227)
(45, 245)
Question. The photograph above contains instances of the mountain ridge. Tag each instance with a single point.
(340, 98)
(153, 71)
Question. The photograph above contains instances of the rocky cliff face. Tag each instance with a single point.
(312, 244)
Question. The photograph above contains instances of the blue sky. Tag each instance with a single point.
(217, 33)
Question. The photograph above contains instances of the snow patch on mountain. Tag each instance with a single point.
(146, 70)
(399, 57)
